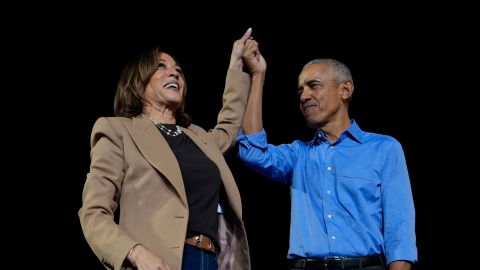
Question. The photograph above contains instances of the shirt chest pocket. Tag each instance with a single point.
(358, 187)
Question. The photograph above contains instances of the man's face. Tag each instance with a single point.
(320, 95)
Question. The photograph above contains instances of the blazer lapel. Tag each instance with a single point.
(201, 143)
(157, 152)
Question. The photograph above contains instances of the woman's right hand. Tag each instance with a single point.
(143, 259)
(237, 50)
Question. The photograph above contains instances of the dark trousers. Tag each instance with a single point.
(198, 259)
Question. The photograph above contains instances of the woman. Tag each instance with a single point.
(180, 206)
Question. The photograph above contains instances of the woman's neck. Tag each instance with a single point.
(159, 115)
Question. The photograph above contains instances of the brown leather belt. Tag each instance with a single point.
(202, 242)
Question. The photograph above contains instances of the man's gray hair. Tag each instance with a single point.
(340, 70)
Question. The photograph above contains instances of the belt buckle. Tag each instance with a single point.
(197, 240)
(325, 262)
(328, 260)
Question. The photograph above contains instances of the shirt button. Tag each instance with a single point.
(333, 237)
(329, 216)
(329, 168)
(328, 192)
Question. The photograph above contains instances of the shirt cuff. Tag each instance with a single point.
(258, 140)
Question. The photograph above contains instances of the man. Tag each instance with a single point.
(352, 205)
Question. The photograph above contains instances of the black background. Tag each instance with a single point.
(415, 72)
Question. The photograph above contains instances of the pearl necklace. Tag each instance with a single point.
(167, 131)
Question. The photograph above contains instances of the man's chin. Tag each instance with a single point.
(312, 124)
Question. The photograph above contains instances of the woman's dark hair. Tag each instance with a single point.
(129, 99)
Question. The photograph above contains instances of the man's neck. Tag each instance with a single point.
(333, 130)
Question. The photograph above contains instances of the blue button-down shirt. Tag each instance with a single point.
(349, 198)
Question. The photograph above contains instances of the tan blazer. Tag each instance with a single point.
(132, 166)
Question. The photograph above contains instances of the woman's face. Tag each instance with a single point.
(166, 86)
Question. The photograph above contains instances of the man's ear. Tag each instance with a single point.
(347, 90)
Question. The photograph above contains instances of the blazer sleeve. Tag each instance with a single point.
(101, 195)
(234, 102)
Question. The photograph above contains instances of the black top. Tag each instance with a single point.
(201, 179)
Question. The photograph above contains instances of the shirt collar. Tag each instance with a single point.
(353, 131)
